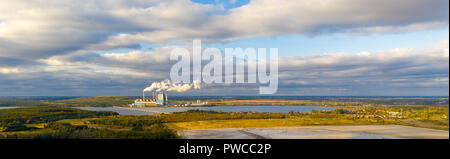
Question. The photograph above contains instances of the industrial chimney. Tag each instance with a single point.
(143, 95)
(166, 98)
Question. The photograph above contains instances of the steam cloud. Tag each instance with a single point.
(167, 85)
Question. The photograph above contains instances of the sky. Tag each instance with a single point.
(326, 47)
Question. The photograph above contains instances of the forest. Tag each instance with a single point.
(45, 123)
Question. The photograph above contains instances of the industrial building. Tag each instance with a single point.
(158, 99)
(161, 99)
(193, 104)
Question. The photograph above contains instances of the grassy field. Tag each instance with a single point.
(259, 123)
(232, 102)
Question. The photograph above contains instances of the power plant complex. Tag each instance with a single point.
(159, 99)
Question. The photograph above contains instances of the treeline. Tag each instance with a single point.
(5, 102)
(145, 128)
(200, 115)
(67, 131)
(197, 115)
(15, 119)
(136, 122)
(101, 101)
(155, 124)
(191, 115)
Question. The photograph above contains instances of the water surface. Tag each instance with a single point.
(158, 110)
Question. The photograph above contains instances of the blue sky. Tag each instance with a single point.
(227, 4)
(297, 45)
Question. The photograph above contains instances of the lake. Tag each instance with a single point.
(159, 110)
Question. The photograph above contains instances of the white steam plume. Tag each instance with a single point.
(167, 85)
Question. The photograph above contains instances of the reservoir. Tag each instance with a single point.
(159, 110)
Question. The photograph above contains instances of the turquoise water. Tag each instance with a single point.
(158, 110)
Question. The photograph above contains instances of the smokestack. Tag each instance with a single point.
(166, 98)
(143, 95)
(153, 96)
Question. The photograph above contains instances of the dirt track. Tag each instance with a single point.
(319, 132)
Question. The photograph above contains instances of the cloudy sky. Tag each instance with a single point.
(326, 47)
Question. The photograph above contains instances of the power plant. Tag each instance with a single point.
(158, 99)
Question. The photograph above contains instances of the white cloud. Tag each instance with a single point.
(393, 71)
(275, 17)
(9, 70)
(40, 29)
(43, 41)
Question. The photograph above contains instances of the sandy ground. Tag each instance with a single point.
(319, 132)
